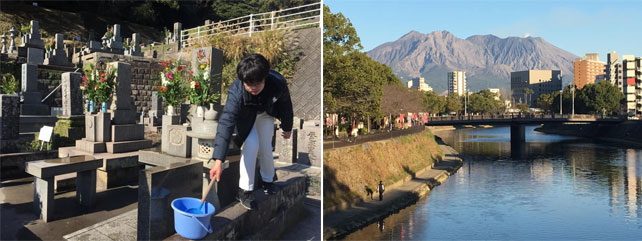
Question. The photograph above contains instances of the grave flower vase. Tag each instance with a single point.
(170, 110)
(91, 106)
(104, 107)
(200, 111)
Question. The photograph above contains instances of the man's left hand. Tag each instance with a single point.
(286, 134)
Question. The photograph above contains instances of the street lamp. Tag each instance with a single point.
(561, 92)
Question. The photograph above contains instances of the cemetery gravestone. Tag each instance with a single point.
(32, 98)
(58, 56)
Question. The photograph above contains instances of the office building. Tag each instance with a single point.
(539, 81)
(588, 70)
(419, 83)
(457, 82)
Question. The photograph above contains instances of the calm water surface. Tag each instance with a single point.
(555, 188)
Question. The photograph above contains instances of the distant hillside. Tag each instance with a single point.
(71, 24)
(487, 59)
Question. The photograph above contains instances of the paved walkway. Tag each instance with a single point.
(340, 223)
(377, 136)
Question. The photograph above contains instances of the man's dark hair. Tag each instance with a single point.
(253, 69)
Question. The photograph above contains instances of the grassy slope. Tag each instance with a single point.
(348, 171)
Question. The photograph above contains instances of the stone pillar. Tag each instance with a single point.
(34, 36)
(4, 44)
(58, 55)
(122, 104)
(43, 197)
(215, 58)
(86, 187)
(32, 104)
(135, 48)
(178, 27)
(71, 95)
(12, 45)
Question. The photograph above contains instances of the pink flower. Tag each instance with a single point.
(169, 76)
(191, 71)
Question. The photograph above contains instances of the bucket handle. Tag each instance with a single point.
(209, 230)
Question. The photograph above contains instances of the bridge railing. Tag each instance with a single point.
(524, 116)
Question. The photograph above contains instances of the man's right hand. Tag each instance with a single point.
(216, 170)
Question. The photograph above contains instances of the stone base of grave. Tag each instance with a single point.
(272, 216)
(34, 109)
(127, 132)
(154, 158)
(90, 146)
(33, 123)
(118, 168)
(127, 146)
(70, 129)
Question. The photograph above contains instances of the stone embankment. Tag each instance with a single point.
(627, 132)
(339, 223)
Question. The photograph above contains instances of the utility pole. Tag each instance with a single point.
(573, 101)
(466, 103)
(561, 92)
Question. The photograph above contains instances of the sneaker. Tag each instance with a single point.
(269, 188)
(245, 198)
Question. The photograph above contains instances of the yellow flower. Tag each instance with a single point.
(202, 66)
(166, 68)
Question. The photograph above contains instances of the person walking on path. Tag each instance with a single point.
(254, 99)
(381, 188)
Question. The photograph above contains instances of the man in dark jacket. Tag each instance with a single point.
(254, 99)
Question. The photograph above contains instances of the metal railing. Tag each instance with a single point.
(524, 116)
(296, 17)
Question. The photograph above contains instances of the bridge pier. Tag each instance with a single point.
(518, 141)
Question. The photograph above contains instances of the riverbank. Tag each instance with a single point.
(627, 132)
(337, 224)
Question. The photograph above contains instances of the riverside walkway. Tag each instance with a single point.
(337, 224)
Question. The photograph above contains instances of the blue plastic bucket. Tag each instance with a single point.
(190, 225)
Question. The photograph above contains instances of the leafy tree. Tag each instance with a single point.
(602, 97)
(453, 104)
(545, 102)
(353, 82)
(522, 107)
(434, 103)
(484, 102)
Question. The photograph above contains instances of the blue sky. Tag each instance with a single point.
(576, 26)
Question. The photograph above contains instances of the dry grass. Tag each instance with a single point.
(348, 171)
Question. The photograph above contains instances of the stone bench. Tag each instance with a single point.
(45, 171)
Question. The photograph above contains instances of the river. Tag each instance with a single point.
(559, 188)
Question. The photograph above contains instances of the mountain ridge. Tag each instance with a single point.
(486, 59)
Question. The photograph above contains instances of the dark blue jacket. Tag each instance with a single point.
(241, 109)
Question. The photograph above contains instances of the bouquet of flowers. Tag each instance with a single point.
(201, 83)
(98, 83)
(172, 87)
(49, 44)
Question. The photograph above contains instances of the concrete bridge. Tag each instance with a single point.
(518, 122)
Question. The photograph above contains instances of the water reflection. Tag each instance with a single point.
(560, 188)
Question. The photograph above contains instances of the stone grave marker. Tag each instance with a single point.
(71, 95)
(32, 98)
(215, 58)
(58, 56)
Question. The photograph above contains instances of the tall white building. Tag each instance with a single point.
(457, 82)
(614, 70)
(632, 84)
(419, 83)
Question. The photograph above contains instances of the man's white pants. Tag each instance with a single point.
(258, 144)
